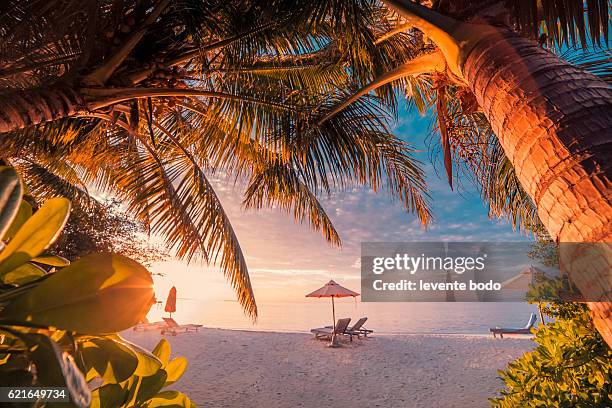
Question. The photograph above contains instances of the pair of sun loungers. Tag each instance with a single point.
(515, 330)
(168, 326)
(343, 329)
(173, 328)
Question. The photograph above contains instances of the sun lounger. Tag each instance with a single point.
(327, 332)
(357, 329)
(513, 330)
(173, 328)
(149, 326)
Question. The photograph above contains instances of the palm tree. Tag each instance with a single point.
(146, 99)
(552, 119)
(264, 83)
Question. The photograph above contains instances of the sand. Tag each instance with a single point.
(230, 368)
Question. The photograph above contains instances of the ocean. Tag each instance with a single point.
(389, 318)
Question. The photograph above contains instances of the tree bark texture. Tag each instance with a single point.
(554, 122)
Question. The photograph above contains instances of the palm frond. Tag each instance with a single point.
(505, 195)
(354, 146)
(565, 21)
(264, 166)
(46, 180)
(209, 218)
(479, 157)
(209, 83)
(40, 41)
(279, 185)
(596, 61)
(162, 197)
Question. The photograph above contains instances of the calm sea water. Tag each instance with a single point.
(392, 318)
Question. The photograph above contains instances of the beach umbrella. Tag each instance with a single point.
(450, 293)
(171, 302)
(332, 290)
(523, 280)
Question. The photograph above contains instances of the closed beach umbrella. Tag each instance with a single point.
(171, 302)
(332, 290)
(450, 294)
(522, 281)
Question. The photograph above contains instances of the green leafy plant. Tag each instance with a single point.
(58, 320)
(549, 294)
(572, 364)
(571, 367)
(131, 376)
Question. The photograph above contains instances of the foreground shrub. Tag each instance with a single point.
(570, 367)
(58, 321)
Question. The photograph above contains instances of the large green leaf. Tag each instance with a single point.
(14, 368)
(170, 399)
(52, 260)
(22, 274)
(148, 363)
(108, 396)
(56, 368)
(98, 294)
(162, 351)
(23, 214)
(151, 385)
(113, 361)
(36, 235)
(10, 197)
(16, 377)
(175, 369)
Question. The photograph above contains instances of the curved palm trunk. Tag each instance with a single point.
(34, 106)
(554, 122)
(21, 109)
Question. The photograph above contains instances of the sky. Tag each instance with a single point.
(285, 258)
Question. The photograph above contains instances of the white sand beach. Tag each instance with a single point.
(231, 368)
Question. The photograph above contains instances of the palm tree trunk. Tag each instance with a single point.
(34, 106)
(554, 122)
(31, 107)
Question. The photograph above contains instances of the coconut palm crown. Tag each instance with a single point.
(150, 96)
(147, 99)
(533, 129)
